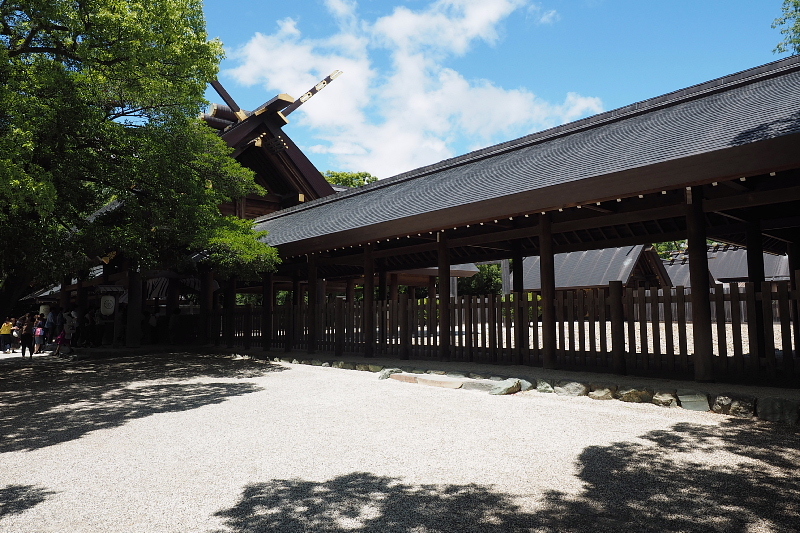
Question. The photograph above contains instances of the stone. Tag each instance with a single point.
(375, 368)
(305, 362)
(440, 381)
(473, 375)
(692, 400)
(417, 371)
(386, 372)
(778, 410)
(456, 375)
(543, 385)
(634, 394)
(734, 405)
(295, 362)
(497, 378)
(326, 364)
(316, 362)
(508, 386)
(665, 398)
(287, 359)
(525, 385)
(348, 366)
(566, 387)
(602, 393)
(362, 366)
(483, 385)
(337, 364)
(436, 372)
(403, 377)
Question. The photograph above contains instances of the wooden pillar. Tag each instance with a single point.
(230, 306)
(516, 268)
(133, 326)
(393, 287)
(547, 275)
(206, 302)
(369, 301)
(520, 302)
(292, 313)
(755, 274)
(701, 297)
(382, 283)
(617, 327)
(350, 291)
(63, 296)
(313, 307)
(173, 294)
(432, 288)
(444, 297)
(267, 309)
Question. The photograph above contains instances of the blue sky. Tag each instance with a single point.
(425, 80)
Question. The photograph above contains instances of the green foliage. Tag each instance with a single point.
(488, 280)
(98, 110)
(665, 249)
(789, 23)
(349, 179)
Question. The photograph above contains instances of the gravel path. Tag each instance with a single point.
(205, 443)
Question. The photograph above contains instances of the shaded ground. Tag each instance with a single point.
(646, 486)
(50, 401)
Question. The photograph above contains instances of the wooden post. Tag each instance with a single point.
(247, 322)
(444, 297)
(173, 294)
(617, 327)
(405, 333)
(369, 302)
(394, 288)
(755, 275)
(291, 314)
(382, 275)
(313, 307)
(698, 273)
(351, 290)
(517, 268)
(548, 278)
(267, 309)
(338, 328)
(230, 307)
(133, 328)
(63, 296)
(206, 305)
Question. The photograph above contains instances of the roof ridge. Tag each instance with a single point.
(720, 84)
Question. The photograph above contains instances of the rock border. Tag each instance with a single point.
(767, 408)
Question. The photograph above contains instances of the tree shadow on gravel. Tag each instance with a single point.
(16, 499)
(50, 403)
(365, 502)
(651, 484)
(661, 485)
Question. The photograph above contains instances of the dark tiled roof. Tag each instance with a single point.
(591, 268)
(727, 264)
(753, 105)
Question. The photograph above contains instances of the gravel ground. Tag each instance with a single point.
(213, 443)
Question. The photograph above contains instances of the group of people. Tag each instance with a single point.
(33, 331)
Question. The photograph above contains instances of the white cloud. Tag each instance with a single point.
(413, 110)
(542, 15)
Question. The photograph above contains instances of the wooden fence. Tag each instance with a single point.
(756, 333)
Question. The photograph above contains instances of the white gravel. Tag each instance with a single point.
(174, 446)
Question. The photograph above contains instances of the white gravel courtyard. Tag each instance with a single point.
(205, 443)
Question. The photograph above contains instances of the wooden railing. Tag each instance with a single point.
(756, 333)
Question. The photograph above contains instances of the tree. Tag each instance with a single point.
(100, 146)
(486, 281)
(349, 179)
(789, 22)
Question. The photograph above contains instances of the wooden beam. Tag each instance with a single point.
(752, 199)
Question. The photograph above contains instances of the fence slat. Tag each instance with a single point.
(769, 333)
(655, 321)
(736, 329)
(722, 342)
(786, 326)
(680, 299)
(669, 335)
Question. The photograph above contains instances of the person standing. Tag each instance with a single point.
(39, 334)
(26, 335)
(50, 325)
(6, 336)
